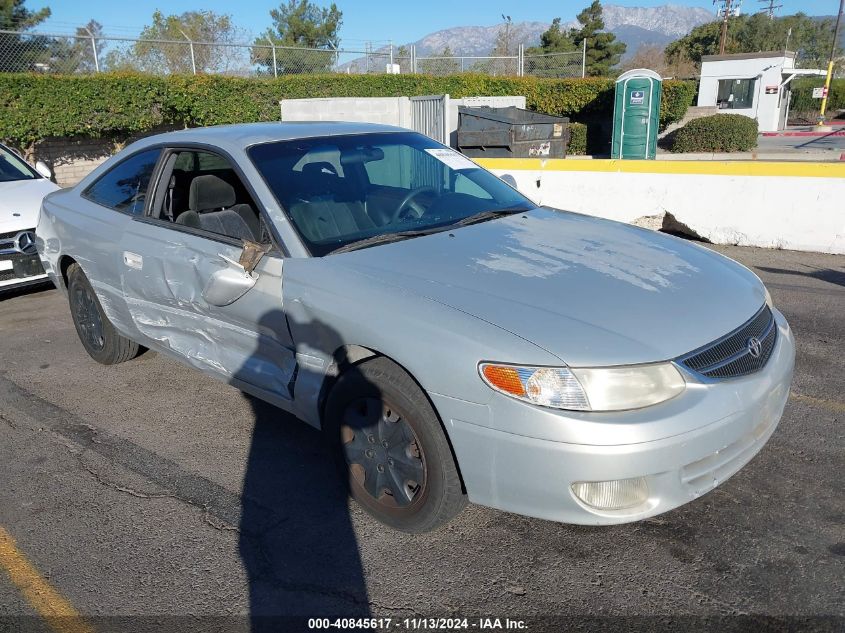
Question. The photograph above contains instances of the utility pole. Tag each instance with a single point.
(729, 7)
(507, 20)
(832, 57)
(769, 7)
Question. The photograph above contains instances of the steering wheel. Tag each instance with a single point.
(413, 193)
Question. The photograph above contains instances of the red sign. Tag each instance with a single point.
(772, 90)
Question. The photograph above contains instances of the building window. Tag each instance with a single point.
(736, 94)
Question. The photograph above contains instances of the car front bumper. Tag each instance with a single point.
(18, 270)
(682, 448)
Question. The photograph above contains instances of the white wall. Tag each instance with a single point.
(799, 212)
(767, 70)
(385, 110)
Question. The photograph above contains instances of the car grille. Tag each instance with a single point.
(9, 236)
(731, 356)
(24, 265)
(8, 250)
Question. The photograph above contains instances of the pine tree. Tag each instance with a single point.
(603, 51)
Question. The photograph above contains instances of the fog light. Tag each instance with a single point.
(617, 494)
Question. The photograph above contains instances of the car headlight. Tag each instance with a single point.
(769, 301)
(586, 388)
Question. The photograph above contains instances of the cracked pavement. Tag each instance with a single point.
(150, 489)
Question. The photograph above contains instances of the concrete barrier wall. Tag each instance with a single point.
(386, 110)
(798, 206)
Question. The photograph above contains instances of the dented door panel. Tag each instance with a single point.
(246, 341)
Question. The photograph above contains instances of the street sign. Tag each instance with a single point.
(819, 93)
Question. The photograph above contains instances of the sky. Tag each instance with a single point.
(401, 21)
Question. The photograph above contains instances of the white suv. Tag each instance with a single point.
(21, 190)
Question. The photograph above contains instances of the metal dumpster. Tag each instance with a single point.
(511, 133)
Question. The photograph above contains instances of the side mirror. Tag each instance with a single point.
(227, 285)
(41, 168)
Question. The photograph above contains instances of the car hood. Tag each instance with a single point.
(20, 201)
(590, 291)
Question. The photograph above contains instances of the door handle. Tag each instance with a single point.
(133, 260)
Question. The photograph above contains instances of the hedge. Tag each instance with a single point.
(802, 96)
(33, 107)
(577, 140)
(717, 133)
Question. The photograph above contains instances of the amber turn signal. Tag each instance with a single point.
(504, 378)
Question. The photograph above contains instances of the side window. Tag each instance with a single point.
(463, 184)
(403, 167)
(325, 156)
(204, 192)
(124, 186)
(391, 170)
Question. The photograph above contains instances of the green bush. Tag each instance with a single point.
(577, 140)
(33, 107)
(677, 98)
(802, 96)
(717, 133)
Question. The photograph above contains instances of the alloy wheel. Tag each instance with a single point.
(88, 317)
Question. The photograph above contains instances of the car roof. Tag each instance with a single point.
(243, 135)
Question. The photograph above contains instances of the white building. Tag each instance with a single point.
(753, 84)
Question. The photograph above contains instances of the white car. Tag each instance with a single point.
(21, 190)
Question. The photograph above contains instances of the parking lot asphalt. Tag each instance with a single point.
(149, 489)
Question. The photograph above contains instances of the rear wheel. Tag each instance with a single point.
(391, 448)
(98, 336)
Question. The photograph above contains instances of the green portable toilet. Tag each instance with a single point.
(636, 114)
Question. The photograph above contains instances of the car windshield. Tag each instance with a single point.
(13, 168)
(346, 192)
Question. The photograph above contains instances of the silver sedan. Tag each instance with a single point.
(453, 340)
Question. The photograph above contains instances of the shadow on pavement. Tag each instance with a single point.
(823, 274)
(296, 537)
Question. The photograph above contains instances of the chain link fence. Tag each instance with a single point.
(88, 53)
(556, 65)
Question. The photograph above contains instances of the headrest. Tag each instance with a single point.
(318, 179)
(319, 168)
(361, 155)
(210, 192)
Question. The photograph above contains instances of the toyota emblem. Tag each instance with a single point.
(25, 242)
(755, 347)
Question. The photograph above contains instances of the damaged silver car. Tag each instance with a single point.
(454, 341)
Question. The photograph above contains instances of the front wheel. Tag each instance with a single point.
(98, 336)
(391, 448)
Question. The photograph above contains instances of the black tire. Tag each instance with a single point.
(376, 408)
(98, 336)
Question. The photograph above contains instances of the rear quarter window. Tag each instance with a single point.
(124, 186)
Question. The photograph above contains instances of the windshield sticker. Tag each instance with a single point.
(452, 158)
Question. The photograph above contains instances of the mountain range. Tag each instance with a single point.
(635, 26)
